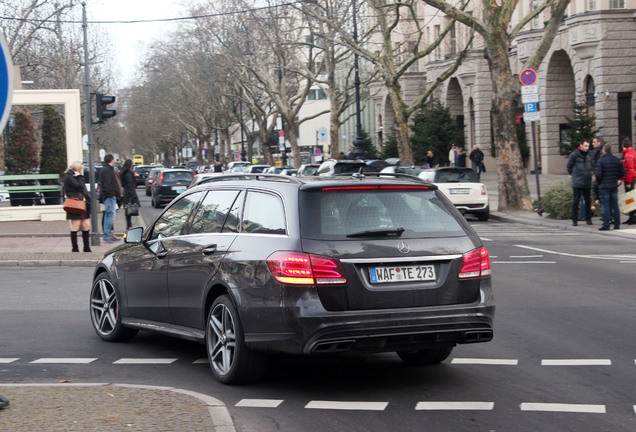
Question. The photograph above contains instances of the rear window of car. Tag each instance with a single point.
(177, 176)
(457, 176)
(349, 168)
(334, 214)
(142, 170)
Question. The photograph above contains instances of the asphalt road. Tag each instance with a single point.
(563, 357)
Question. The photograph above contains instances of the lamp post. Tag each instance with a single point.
(243, 158)
(358, 143)
(282, 120)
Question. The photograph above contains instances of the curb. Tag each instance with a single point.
(48, 263)
(219, 415)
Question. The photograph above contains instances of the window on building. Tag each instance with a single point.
(591, 5)
(453, 40)
(316, 94)
(536, 22)
(415, 67)
(438, 51)
(617, 4)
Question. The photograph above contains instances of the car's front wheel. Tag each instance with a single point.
(147, 192)
(105, 314)
(230, 359)
(425, 356)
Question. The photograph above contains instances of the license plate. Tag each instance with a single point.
(178, 189)
(413, 273)
(460, 191)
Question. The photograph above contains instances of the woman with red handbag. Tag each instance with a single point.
(74, 187)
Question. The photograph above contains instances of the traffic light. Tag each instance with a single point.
(101, 102)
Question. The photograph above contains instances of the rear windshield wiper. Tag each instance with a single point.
(378, 232)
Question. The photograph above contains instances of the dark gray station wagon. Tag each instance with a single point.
(254, 265)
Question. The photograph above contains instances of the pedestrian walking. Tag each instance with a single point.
(597, 146)
(75, 187)
(629, 162)
(608, 172)
(580, 168)
(110, 192)
(461, 158)
(476, 156)
(452, 155)
(129, 184)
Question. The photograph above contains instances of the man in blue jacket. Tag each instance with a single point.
(609, 170)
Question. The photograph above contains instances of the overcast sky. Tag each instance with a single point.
(131, 40)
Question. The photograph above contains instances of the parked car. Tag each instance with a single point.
(411, 170)
(150, 179)
(277, 169)
(235, 164)
(308, 169)
(332, 167)
(168, 184)
(462, 187)
(203, 176)
(376, 165)
(257, 169)
(141, 173)
(347, 264)
(289, 172)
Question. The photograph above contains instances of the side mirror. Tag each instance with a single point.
(134, 235)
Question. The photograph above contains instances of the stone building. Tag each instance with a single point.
(592, 58)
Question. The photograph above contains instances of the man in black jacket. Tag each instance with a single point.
(580, 168)
(109, 192)
(609, 169)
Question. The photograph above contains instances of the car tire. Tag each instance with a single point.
(148, 192)
(230, 359)
(155, 203)
(105, 315)
(425, 356)
(483, 216)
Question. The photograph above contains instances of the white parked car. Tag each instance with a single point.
(462, 187)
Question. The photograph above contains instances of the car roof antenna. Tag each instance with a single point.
(358, 175)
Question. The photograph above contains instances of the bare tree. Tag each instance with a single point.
(498, 32)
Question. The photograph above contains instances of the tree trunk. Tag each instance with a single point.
(401, 124)
(334, 131)
(513, 185)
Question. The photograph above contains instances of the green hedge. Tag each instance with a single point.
(557, 201)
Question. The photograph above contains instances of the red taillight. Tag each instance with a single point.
(483, 189)
(136, 175)
(475, 264)
(160, 182)
(339, 188)
(297, 268)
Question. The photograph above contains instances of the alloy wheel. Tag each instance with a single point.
(104, 307)
(222, 343)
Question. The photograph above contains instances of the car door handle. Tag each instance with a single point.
(209, 250)
(162, 254)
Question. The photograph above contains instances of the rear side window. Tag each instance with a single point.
(335, 214)
(213, 211)
(457, 176)
(263, 214)
(177, 176)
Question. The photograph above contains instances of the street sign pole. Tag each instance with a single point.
(530, 99)
(89, 132)
(536, 168)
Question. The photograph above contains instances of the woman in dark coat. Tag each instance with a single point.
(129, 184)
(75, 187)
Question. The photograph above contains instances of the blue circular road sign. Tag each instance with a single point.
(528, 77)
(6, 82)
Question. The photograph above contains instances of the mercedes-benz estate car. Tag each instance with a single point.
(254, 265)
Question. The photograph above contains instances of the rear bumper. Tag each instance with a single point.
(312, 330)
(473, 208)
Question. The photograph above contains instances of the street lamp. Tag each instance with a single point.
(282, 119)
(358, 143)
(243, 158)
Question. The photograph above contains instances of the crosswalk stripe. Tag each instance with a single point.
(9, 360)
(484, 361)
(64, 360)
(342, 405)
(145, 361)
(576, 362)
(559, 407)
(454, 406)
(259, 403)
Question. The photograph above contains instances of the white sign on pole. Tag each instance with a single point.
(85, 142)
(529, 89)
(531, 116)
(102, 154)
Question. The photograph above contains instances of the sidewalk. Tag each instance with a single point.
(112, 407)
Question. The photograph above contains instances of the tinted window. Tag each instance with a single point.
(213, 212)
(349, 168)
(172, 221)
(264, 213)
(177, 176)
(457, 176)
(335, 214)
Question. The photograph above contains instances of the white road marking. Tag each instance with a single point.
(605, 257)
(203, 360)
(477, 361)
(8, 360)
(526, 256)
(455, 406)
(523, 262)
(259, 403)
(342, 405)
(77, 360)
(577, 362)
(145, 361)
(557, 407)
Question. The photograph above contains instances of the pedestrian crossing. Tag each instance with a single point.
(519, 230)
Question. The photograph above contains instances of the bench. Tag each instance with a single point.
(32, 194)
